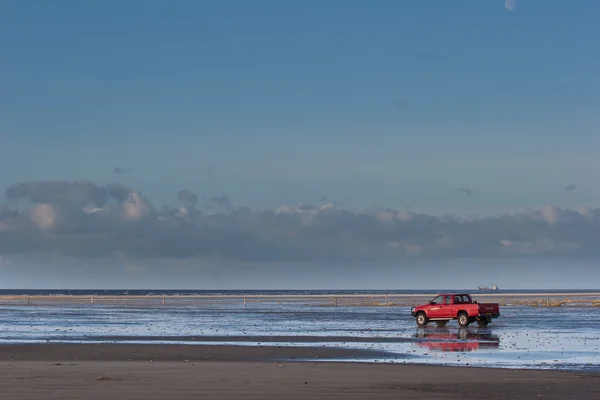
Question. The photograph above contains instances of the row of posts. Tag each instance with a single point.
(335, 303)
(163, 301)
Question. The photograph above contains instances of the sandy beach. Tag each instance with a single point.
(219, 372)
(280, 349)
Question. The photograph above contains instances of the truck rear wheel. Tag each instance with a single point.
(463, 319)
(421, 319)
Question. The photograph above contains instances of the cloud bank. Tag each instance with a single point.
(90, 221)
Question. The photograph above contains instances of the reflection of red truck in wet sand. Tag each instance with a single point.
(462, 341)
(446, 307)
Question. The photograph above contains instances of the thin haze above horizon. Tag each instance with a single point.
(272, 144)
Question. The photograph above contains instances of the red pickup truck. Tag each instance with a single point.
(461, 306)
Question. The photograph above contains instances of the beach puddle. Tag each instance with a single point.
(457, 340)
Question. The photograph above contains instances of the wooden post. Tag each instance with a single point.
(244, 302)
(91, 300)
(163, 300)
(28, 300)
(335, 301)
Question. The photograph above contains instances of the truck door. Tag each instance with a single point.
(446, 308)
(458, 303)
(435, 308)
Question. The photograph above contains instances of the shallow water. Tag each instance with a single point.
(532, 337)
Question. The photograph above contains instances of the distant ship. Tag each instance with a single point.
(487, 288)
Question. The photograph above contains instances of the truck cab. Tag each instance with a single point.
(459, 306)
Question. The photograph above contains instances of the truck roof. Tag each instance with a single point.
(452, 294)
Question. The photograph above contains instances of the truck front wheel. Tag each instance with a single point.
(421, 319)
(463, 319)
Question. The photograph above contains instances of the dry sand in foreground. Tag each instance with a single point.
(84, 374)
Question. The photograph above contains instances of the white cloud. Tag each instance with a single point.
(135, 207)
(45, 216)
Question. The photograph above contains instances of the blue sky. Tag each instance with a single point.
(392, 104)
(370, 104)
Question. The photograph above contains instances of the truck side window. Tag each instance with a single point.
(437, 300)
(448, 300)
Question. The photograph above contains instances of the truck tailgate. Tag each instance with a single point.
(488, 308)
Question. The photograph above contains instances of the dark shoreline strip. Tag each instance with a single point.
(67, 352)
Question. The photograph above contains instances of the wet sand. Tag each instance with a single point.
(219, 372)
(261, 339)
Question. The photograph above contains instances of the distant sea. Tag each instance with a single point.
(191, 292)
